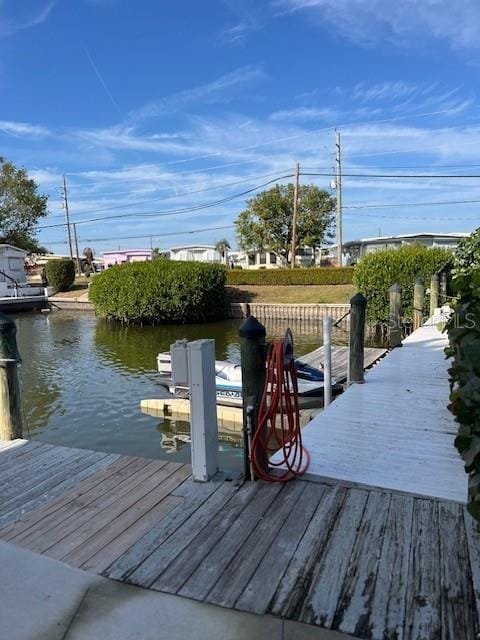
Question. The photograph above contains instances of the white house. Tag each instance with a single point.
(305, 257)
(12, 267)
(196, 253)
(354, 250)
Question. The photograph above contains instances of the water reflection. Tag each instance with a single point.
(83, 380)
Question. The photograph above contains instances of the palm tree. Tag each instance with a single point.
(222, 246)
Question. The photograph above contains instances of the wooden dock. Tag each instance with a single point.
(371, 563)
(340, 355)
(393, 432)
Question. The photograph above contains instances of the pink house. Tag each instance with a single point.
(128, 255)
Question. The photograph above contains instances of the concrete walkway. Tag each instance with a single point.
(43, 599)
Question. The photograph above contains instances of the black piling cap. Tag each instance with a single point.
(420, 280)
(396, 288)
(252, 328)
(8, 339)
(359, 300)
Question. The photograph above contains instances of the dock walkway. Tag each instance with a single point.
(365, 562)
(393, 432)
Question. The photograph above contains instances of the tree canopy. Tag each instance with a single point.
(222, 246)
(266, 222)
(21, 207)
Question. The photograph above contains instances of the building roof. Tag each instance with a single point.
(193, 246)
(406, 236)
(2, 245)
(117, 251)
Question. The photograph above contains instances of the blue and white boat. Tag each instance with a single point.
(228, 379)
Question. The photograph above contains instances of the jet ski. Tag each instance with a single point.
(228, 380)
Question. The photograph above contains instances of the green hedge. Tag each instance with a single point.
(277, 277)
(464, 336)
(60, 273)
(376, 272)
(160, 292)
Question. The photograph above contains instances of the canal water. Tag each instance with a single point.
(83, 379)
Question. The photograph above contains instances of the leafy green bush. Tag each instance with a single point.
(160, 291)
(464, 336)
(60, 273)
(376, 272)
(467, 253)
(277, 277)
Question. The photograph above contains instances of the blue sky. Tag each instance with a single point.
(152, 107)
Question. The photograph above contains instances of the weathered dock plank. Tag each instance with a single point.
(267, 575)
(371, 564)
(321, 599)
(243, 564)
(424, 592)
(393, 432)
(387, 610)
(217, 560)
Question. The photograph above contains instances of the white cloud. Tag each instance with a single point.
(404, 22)
(305, 114)
(23, 129)
(220, 90)
(8, 27)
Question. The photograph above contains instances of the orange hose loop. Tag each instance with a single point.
(279, 422)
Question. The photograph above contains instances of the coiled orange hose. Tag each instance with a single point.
(279, 422)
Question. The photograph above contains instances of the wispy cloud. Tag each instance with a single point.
(247, 21)
(223, 89)
(390, 90)
(374, 21)
(24, 129)
(9, 26)
(305, 114)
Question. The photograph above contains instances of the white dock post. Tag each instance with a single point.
(203, 409)
(327, 360)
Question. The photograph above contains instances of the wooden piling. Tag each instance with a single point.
(327, 360)
(443, 288)
(358, 307)
(434, 289)
(11, 426)
(253, 355)
(418, 303)
(394, 323)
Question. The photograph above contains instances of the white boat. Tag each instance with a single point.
(228, 379)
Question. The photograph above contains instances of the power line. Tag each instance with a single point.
(394, 175)
(179, 195)
(410, 204)
(298, 136)
(150, 235)
(171, 212)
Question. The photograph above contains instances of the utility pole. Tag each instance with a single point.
(79, 268)
(295, 213)
(65, 206)
(338, 163)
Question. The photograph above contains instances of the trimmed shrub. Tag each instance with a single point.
(464, 336)
(160, 291)
(60, 273)
(376, 272)
(291, 277)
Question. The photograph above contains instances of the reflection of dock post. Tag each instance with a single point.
(253, 352)
(327, 360)
(434, 287)
(358, 307)
(10, 402)
(395, 318)
(418, 303)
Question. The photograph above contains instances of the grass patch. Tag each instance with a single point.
(337, 293)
